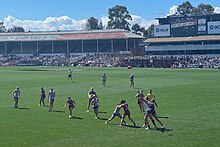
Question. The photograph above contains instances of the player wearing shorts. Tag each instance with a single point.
(139, 96)
(69, 77)
(95, 103)
(90, 93)
(115, 113)
(124, 105)
(148, 114)
(42, 96)
(71, 105)
(51, 97)
(132, 80)
(16, 95)
(151, 97)
(104, 78)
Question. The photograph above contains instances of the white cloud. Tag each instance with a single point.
(64, 23)
(172, 10)
(49, 24)
(217, 9)
(142, 22)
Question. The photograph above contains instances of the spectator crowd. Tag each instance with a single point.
(119, 60)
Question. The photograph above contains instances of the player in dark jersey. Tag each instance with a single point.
(42, 96)
(71, 104)
(139, 96)
(132, 80)
(70, 74)
(90, 93)
(104, 78)
(124, 105)
(95, 103)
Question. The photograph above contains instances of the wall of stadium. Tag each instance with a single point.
(68, 46)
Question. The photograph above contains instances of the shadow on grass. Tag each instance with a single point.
(102, 112)
(163, 117)
(107, 86)
(129, 126)
(162, 130)
(23, 108)
(58, 111)
(75, 117)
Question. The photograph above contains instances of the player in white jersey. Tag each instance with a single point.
(16, 95)
(115, 113)
(148, 114)
(51, 97)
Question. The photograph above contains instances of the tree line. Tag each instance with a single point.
(119, 19)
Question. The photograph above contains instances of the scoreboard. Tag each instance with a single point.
(183, 26)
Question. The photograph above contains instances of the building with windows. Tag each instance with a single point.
(185, 35)
(68, 42)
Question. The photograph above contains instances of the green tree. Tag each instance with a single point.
(119, 17)
(16, 29)
(136, 29)
(2, 27)
(204, 9)
(148, 33)
(92, 24)
(185, 9)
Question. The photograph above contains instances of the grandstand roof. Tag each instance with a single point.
(68, 35)
(183, 39)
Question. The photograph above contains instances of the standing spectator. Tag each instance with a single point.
(104, 78)
(42, 96)
(51, 97)
(16, 96)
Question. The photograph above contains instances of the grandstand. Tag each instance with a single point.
(185, 35)
(68, 42)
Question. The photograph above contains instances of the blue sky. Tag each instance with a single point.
(19, 12)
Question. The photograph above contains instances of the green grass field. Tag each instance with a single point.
(188, 102)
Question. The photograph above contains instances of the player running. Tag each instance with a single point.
(139, 96)
(95, 103)
(90, 93)
(132, 80)
(51, 97)
(16, 95)
(124, 105)
(71, 105)
(42, 96)
(115, 113)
